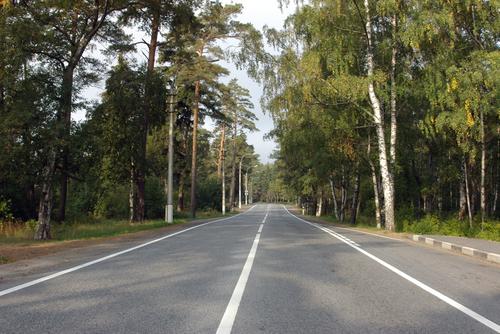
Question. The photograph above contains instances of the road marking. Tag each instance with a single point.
(87, 264)
(374, 234)
(227, 321)
(337, 235)
(476, 316)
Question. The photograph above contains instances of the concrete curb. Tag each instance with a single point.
(492, 257)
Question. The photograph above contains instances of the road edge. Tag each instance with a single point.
(417, 238)
(464, 250)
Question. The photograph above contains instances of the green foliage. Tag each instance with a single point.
(113, 203)
(209, 193)
(432, 224)
(490, 230)
(446, 99)
(315, 89)
(155, 198)
(5, 211)
(427, 225)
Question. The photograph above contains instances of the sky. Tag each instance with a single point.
(260, 13)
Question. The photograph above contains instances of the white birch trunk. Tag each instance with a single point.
(483, 169)
(387, 179)
(378, 216)
(334, 197)
(393, 95)
(319, 209)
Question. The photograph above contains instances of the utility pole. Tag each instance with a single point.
(169, 212)
(251, 192)
(246, 187)
(223, 171)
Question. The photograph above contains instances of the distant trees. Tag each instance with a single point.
(237, 106)
(215, 24)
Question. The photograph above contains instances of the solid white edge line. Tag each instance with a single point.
(373, 234)
(87, 264)
(227, 321)
(476, 316)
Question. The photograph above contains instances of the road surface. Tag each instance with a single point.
(263, 271)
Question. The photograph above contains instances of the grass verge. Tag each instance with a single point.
(432, 225)
(86, 228)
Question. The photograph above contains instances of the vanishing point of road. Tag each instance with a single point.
(262, 271)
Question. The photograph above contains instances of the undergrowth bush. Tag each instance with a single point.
(432, 224)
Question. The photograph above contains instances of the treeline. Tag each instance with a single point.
(114, 163)
(389, 108)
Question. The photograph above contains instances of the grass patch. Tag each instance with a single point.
(106, 228)
(87, 228)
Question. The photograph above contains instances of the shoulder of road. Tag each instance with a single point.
(31, 259)
(483, 249)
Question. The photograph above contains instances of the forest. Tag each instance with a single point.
(159, 63)
(385, 112)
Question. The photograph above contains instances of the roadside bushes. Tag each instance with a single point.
(432, 224)
(428, 225)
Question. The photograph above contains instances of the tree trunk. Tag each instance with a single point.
(376, 191)
(180, 195)
(140, 181)
(132, 194)
(334, 199)
(196, 110)
(483, 169)
(221, 149)
(140, 173)
(497, 176)
(387, 177)
(45, 206)
(467, 193)
(223, 188)
(343, 195)
(64, 136)
(232, 188)
(355, 197)
(463, 200)
(183, 149)
(393, 95)
(319, 207)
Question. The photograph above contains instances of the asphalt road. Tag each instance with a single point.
(264, 271)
